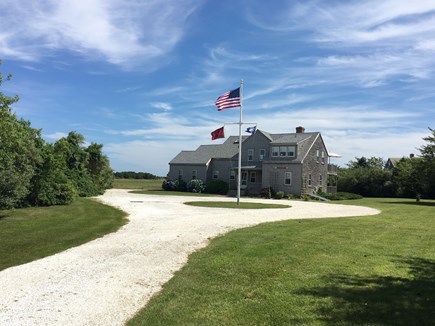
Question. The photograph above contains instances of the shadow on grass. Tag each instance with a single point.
(414, 203)
(381, 300)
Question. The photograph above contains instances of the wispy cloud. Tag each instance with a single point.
(125, 33)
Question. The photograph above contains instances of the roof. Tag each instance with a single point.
(204, 153)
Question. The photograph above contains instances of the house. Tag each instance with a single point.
(295, 163)
(392, 161)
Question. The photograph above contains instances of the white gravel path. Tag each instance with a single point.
(106, 281)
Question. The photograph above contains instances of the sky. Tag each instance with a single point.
(141, 77)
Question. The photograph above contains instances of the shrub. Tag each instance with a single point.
(267, 192)
(195, 185)
(180, 185)
(279, 195)
(217, 187)
(169, 185)
(341, 196)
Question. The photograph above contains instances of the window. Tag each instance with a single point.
(275, 151)
(232, 175)
(253, 177)
(215, 174)
(320, 179)
(250, 154)
(317, 156)
(288, 178)
(284, 151)
(323, 157)
(180, 174)
(309, 180)
(262, 154)
(194, 175)
(291, 151)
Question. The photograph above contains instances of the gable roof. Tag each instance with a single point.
(204, 153)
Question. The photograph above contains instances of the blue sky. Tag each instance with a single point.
(141, 77)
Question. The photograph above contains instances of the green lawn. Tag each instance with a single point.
(374, 270)
(226, 204)
(147, 184)
(32, 233)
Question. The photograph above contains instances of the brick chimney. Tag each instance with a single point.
(300, 130)
(411, 155)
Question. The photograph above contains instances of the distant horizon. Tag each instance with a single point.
(142, 78)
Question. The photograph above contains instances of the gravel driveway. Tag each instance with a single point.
(106, 281)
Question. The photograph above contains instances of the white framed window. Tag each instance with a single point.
(317, 156)
(284, 151)
(320, 180)
(215, 174)
(275, 151)
(250, 154)
(232, 175)
(180, 174)
(291, 151)
(323, 157)
(253, 177)
(288, 178)
(194, 174)
(262, 154)
(310, 180)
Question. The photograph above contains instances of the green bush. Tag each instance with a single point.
(217, 187)
(267, 193)
(341, 196)
(279, 195)
(195, 185)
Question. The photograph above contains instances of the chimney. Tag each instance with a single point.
(411, 155)
(300, 130)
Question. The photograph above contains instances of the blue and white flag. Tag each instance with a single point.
(251, 130)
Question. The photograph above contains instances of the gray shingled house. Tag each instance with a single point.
(295, 163)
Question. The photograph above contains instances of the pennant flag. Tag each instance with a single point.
(251, 130)
(218, 133)
(230, 99)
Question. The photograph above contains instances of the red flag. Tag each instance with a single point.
(218, 133)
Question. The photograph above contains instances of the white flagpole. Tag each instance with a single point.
(239, 174)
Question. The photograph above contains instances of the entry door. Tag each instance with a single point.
(244, 180)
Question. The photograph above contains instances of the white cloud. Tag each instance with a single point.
(122, 32)
(56, 135)
(162, 106)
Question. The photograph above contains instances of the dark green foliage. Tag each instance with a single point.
(195, 185)
(267, 192)
(174, 185)
(135, 175)
(20, 152)
(279, 195)
(217, 187)
(341, 196)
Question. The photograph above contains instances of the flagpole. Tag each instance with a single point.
(239, 172)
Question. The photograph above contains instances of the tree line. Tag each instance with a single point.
(34, 172)
(411, 177)
(135, 175)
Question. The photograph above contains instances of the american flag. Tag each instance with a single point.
(230, 99)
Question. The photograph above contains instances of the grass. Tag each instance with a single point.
(145, 184)
(242, 205)
(374, 270)
(31, 233)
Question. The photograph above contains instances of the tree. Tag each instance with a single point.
(20, 151)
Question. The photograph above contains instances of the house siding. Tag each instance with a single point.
(201, 171)
(274, 174)
(315, 168)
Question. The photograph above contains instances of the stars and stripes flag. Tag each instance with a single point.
(230, 99)
(218, 133)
